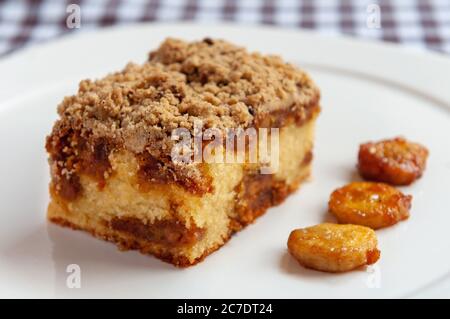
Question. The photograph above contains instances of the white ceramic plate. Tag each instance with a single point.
(370, 91)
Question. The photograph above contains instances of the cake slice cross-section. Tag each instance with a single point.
(111, 152)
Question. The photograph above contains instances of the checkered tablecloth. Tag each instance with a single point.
(421, 24)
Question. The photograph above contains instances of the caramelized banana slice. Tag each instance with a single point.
(395, 161)
(374, 205)
(334, 248)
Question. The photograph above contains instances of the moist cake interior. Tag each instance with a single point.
(109, 153)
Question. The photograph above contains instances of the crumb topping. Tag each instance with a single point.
(214, 81)
(211, 80)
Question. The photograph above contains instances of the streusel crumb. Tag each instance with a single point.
(211, 80)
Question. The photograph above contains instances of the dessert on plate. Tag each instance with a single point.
(395, 161)
(111, 152)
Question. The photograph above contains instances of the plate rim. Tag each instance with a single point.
(388, 50)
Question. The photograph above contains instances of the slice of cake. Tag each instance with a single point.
(123, 170)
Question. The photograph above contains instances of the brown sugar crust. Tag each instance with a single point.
(257, 193)
(152, 171)
(166, 232)
(393, 161)
(285, 117)
(71, 155)
(213, 81)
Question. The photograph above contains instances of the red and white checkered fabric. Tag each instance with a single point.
(418, 23)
